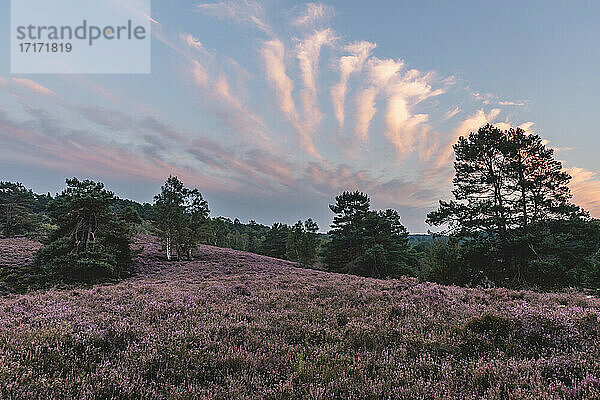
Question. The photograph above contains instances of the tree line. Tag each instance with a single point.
(511, 223)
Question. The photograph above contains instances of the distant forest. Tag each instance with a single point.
(510, 223)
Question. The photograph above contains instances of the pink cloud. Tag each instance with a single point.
(313, 13)
(585, 187)
(246, 12)
(33, 86)
(273, 53)
(347, 65)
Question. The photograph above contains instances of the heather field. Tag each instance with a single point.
(237, 325)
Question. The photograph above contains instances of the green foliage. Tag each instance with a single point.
(441, 262)
(366, 242)
(512, 214)
(236, 235)
(181, 216)
(145, 211)
(274, 244)
(504, 180)
(90, 242)
(16, 209)
(302, 242)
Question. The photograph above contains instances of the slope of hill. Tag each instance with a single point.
(237, 325)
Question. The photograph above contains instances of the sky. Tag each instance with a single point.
(272, 108)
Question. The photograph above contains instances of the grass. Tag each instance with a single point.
(237, 325)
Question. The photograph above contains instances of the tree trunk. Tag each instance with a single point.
(168, 246)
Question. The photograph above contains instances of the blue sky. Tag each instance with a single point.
(272, 108)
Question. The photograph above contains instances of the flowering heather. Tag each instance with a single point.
(237, 325)
(17, 251)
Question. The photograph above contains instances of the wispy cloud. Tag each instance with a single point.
(273, 54)
(451, 113)
(585, 187)
(149, 18)
(511, 103)
(191, 41)
(33, 86)
(245, 12)
(379, 73)
(313, 13)
(308, 52)
(365, 111)
(359, 52)
(404, 126)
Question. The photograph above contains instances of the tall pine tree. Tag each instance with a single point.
(508, 189)
(366, 242)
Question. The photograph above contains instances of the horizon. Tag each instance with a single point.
(271, 109)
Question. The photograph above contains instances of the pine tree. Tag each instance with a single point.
(350, 209)
(508, 189)
(366, 242)
(16, 209)
(275, 241)
(91, 242)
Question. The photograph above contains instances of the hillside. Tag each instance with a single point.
(238, 325)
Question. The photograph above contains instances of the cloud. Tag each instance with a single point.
(365, 111)
(526, 126)
(490, 98)
(382, 71)
(308, 52)
(474, 122)
(273, 54)
(404, 128)
(149, 18)
(348, 64)
(379, 73)
(208, 73)
(585, 186)
(33, 86)
(313, 13)
(511, 103)
(191, 41)
(3, 81)
(199, 74)
(451, 113)
(245, 12)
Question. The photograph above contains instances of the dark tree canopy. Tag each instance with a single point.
(366, 242)
(90, 242)
(508, 191)
(274, 244)
(16, 209)
(504, 180)
(181, 216)
(302, 242)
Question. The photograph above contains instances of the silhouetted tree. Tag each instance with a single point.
(508, 189)
(366, 242)
(350, 209)
(302, 242)
(16, 209)
(274, 244)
